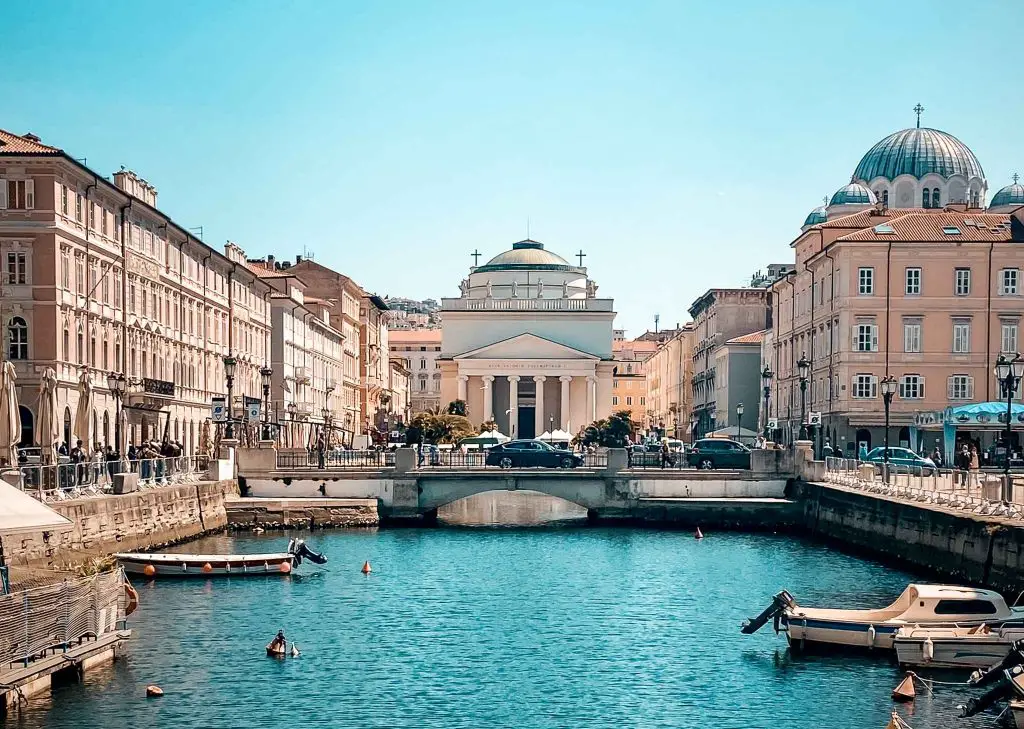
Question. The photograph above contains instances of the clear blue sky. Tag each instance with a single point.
(680, 144)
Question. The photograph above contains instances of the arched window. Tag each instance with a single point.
(66, 351)
(92, 347)
(80, 344)
(27, 426)
(926, 198)
(935, 198)
(885, 198)
(975, 199)
(106, 428)
(17, 338)
(67, 427)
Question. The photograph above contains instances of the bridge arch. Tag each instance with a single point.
(587, 491)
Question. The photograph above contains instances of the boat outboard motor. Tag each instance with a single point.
(298, 550)
(1011, 686)
(780, 603)
(1014, 657)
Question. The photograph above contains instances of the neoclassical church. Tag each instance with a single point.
(528, 343)
(916, 168)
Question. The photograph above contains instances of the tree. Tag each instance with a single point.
(488, 425)
(457, 407)
(432, 428)
(610, 432)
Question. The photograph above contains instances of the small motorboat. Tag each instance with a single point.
(918, 605)
(216, 565)
(955, 647)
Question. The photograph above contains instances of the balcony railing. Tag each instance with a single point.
(527, 304)
(160, 388)
(302, 374)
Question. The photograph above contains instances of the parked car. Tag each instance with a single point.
(531, 454)
(903, 459)
(718, 453)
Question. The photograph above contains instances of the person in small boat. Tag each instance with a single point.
(278, 644)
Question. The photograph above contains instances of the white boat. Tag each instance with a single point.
(921, 605)
(214, 565)
(954, 646)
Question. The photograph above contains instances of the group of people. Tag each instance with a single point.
(80, 465)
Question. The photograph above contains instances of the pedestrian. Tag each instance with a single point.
(963, 463)
(78, 459)
(321, 445)
(133, 456)
(826, 450)
(937, 457)
(666, 454)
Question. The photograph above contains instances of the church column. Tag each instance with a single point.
(591, 399)
(488, 397)
(463, 380)
(513, 406)
(566, 380)
(538, 416)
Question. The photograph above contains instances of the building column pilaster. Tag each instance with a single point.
(538, 417)
(592, 399)
(566, 381)
(463, 386)
(513, 405)
(488, 397)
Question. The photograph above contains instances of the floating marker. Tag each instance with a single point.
(905, 691)
(366, 568)
(295, 651)
(154, 690)
(698, 534)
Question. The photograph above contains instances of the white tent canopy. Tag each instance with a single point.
(20, 512)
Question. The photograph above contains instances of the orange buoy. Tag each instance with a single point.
(366, 568)
(698, 534)
(149, 570)
(207, 568)
(905, 691)
(285, 567)
(154, 690)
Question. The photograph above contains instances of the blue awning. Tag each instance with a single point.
(983, 413)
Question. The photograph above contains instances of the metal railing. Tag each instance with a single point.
(336, 459)
(456, 459)
(68, 481)
(976, 491)
(42, 620)
(656, 460)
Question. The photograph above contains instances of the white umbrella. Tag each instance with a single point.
(46, 418)
(122, 446)
(10, 420)
(83, 414)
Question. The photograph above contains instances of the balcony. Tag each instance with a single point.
(303, 408)
(331, 384)
(157, 388)
(302, 375)
(527, 305)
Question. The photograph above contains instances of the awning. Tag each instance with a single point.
(20, 512)
(974, 416)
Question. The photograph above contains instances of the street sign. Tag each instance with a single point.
(219, 409)
(252, 411)
(773, 423)
(814, 418)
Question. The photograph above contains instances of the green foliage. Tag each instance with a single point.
(433, 428)
(488, 425)
(457, 407)
(610, 432)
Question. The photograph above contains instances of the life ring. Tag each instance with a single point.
(131, 599)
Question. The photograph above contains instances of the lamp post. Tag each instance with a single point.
(766, 381)
(229, 376)
(118, 384)
(803, 365)
(291, 408)
(265, 374)
(1009, 373)
(739, 422)
(888, 390)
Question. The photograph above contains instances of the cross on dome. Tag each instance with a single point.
(918, 109)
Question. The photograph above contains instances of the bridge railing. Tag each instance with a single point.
(336, 459)
(656, 460)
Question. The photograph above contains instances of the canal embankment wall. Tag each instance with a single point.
(963, 547)
(102, 525)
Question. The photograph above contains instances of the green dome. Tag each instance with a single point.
(918, 152)
(527, 255)
(1009, 195)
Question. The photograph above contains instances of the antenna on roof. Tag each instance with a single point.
(917, 110)
(200, 229)
(527, 227)
(657, 319)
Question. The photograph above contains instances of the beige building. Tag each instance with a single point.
(98, 280)
(400, 402)
(420, 350)
(668, 371)
(374, 365)
(629, 379)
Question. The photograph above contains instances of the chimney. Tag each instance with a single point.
(960, 206)
(298, 259)
(880, 208)
(271, 263)
(32, 138)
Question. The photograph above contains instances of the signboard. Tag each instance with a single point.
(773, 423)
(219, 409)
(814, 418)
(252, 411)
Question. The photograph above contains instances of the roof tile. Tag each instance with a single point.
(15, 144)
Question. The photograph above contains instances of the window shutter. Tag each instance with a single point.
(970, 388)
(920, 386)
(874, 386)
(3, 194)
(874, 337)
(30, 194)
(949, 388)
(856, 328)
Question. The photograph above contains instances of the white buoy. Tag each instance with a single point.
(871, 636)
(295, 651)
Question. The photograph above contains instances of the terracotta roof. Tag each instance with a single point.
(414, 335)
(866, 218)
(636, 345)
(939, 227)
(752, 338)
(15, 144)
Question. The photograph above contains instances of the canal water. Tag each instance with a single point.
(532, 628)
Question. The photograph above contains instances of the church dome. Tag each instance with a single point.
(918, 152)
(1011, 195)
(526, 254)
(816, 217)
(853, 194)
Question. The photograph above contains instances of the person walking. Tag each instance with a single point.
(963, 464)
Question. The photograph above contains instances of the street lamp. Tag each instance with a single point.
(739, 422)
(229, 375)
(1009, 373)
(888, 390)
(265, 374)
(766, 380)
(118, 385)
(803, 365)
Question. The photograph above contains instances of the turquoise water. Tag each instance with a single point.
(528, 628)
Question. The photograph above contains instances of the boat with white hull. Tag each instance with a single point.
(918, 605)
(218, 565)
(955, 646)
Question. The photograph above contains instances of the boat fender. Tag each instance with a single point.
(149, 570)
(929, 649)
(266, 567)
(285, 567)
(184, 567)
(871, 636)
(207, 568)
(131, 599)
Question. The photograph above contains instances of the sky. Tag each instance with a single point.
(679, 144)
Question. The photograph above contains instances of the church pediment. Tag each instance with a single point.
(526, 346)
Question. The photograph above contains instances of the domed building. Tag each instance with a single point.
(528, 344)
(850, 198)
(816, 217)
(1008, 198)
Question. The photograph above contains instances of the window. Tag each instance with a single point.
(629, 400)
(935, 198)
(964, 607)
(19, 194)
(912, 336)
(866, 281)
(926, 198)
(865, 338)
(911, 387)
(17, 338)
(79, 276)
(64, 199)
(16, 267)
(615, 399)
(423, 363)
(885, 198)
(962, 282)
(865, 386)
(642, 399)
(103, 221)
(117, 287)
(961, 337)
(960, 387)
(913, 281)
(92, 215)
(65, 269)
(1008, 338)
(78, 207)
(1009, 281)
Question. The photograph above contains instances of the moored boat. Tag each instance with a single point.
(954, 646)
(214, 565)
(920, 605)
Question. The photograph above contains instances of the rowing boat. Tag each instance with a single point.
(215, 565)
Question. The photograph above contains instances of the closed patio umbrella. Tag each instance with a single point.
(83, 414)
(46, 419)
(10, 420)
